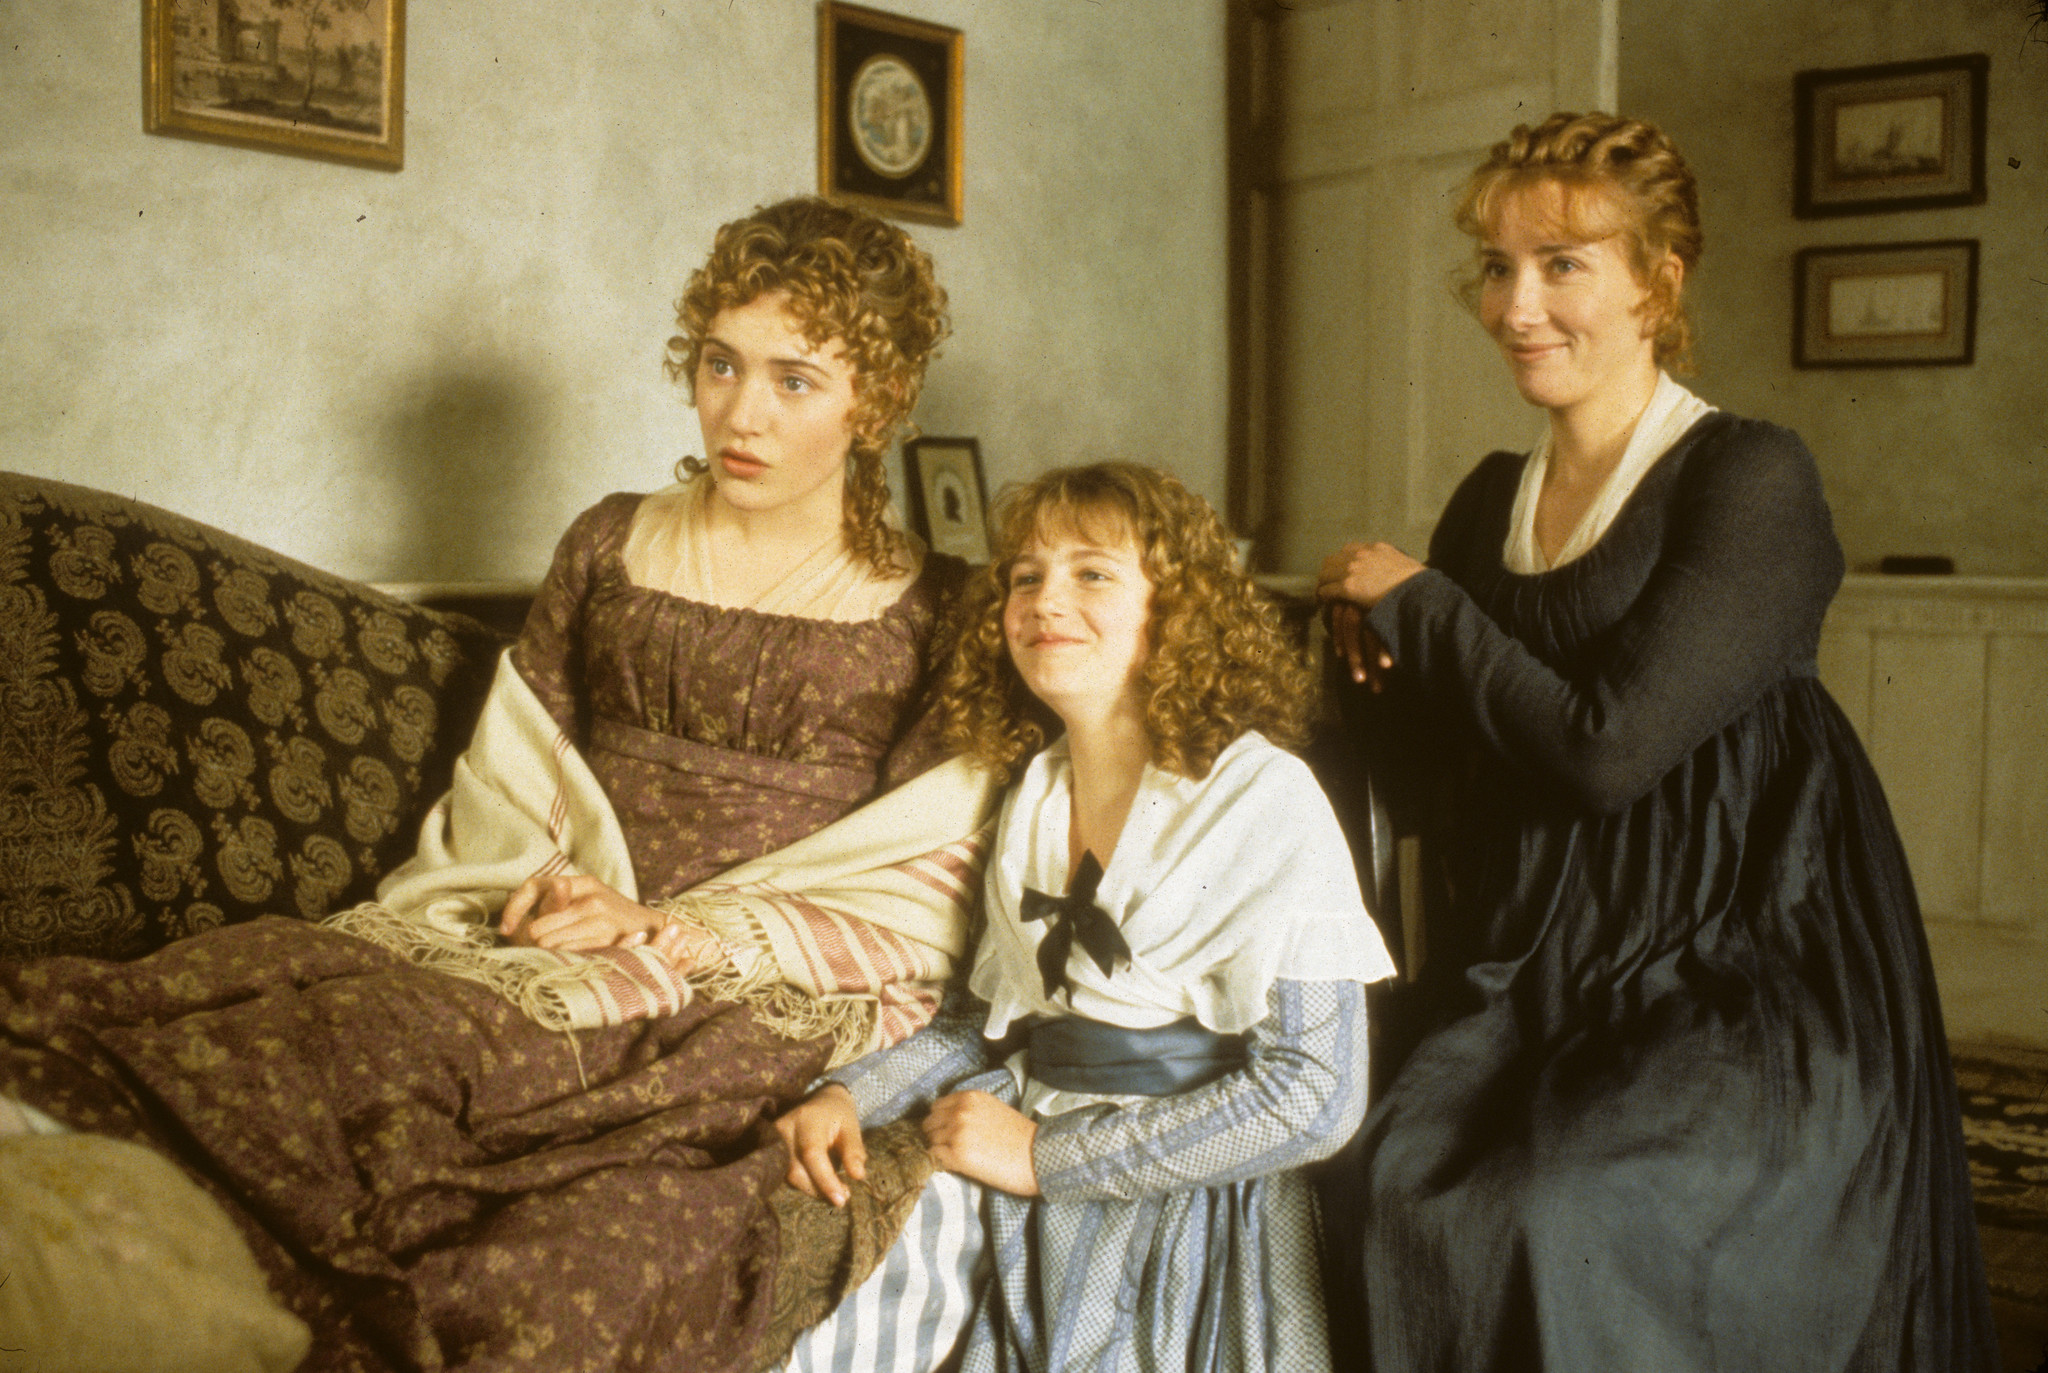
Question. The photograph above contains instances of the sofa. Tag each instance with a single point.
(195, 731)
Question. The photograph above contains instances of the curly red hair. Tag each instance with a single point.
(849, 276)
(1618, 176)
(1220, 660)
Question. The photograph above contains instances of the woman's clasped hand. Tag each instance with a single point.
(1353, 580)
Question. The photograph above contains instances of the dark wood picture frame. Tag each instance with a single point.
(1886, 305)
(1898, 136)
(948, 498)
(322, 78)
(890, 96)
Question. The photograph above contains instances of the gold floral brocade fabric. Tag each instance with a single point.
(195, 731)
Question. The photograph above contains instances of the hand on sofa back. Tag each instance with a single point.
(195, 731)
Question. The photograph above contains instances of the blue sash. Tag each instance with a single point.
(1076, 1054)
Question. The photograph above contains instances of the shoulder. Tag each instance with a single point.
(1039, 780)
(1262, 816)
(1255, 774)
(591, 537)
(1724, 447)
(1486, 494)
(1729, 457)
(933, 599)
(602, 525)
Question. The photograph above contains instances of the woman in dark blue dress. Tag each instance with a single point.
(1684, 1100)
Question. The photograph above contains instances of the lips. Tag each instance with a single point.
(737, 462)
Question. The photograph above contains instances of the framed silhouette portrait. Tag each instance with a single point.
(948, 501)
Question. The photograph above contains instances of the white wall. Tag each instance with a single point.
(1947, 460)
(424, 374)
(1941, 677)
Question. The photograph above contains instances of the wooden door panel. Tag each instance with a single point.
(1376, 389)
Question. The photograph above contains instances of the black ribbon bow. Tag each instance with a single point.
(1071, 916)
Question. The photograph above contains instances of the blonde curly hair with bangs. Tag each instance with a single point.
(849, 276)
(1618, 176)
(1220, 662)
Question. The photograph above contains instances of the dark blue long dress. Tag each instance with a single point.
(1685, 1100)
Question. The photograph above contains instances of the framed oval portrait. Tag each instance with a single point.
(889, 103)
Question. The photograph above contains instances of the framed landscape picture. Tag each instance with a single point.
(948, 501)
(1902, 136)
(325, 78)
(889, 102)
(1886, 305)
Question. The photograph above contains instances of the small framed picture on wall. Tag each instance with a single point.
(948, 501)
(890, 94)
(1901, 136)
(325, 78)
(1886, 305)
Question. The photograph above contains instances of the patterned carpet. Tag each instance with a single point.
(2005, 1128)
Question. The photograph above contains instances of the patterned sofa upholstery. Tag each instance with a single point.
(195, 731)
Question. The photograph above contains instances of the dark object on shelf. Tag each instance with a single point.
(1916, 564)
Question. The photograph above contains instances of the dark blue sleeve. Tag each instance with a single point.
(1749, 565)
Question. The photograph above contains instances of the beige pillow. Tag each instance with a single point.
(113, 1260)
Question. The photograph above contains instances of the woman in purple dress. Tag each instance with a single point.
(1684, 1101)
(431, 1179)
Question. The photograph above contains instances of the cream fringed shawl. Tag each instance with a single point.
(851, 931)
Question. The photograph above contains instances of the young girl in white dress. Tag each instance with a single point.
(1165, 1021)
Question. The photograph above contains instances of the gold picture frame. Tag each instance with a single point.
(321, 78)
(890, 96)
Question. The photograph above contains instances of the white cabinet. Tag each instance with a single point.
(1946, 681)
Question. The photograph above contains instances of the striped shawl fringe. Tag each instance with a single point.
(849, 932)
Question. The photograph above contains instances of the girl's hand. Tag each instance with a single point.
(978, 1137)
(575, 913)
(823, 1128)
(1363, 573)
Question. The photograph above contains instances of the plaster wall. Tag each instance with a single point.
(423, 375)
(1948, 460)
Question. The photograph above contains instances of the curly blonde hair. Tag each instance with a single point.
(849, 276)
(1220, 660)
(1618, 176)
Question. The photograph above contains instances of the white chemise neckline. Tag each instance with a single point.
(667, 549)
(1671, 412)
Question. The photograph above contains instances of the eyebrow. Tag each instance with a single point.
(1493, 250)
(714, 341)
